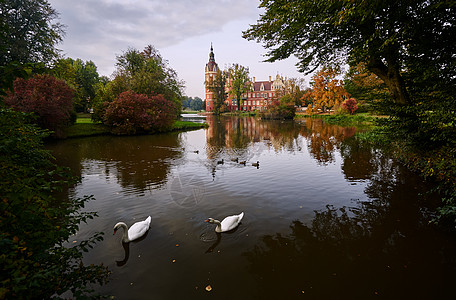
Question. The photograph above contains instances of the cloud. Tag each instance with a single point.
(161, 23)
(181, 30)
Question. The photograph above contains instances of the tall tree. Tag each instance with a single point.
(86, 77)
(295, 88)
(327, 91)
(28, 32)
(387, 36)
(28, 37)
(148, 73)
(217, 85)
(239, 82)
(364, 86)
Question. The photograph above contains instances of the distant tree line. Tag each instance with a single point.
(195, 103)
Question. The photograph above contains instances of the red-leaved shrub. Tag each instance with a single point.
(51, 99)
(132, 113)
(350, 105)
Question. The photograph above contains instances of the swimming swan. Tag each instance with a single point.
(229, 223)
(136, 230)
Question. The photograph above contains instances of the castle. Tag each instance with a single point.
(259, 97)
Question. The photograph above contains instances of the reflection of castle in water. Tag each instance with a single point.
(238, 133)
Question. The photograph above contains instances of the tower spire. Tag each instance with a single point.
(211, 55)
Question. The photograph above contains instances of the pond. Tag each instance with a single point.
(326, 217)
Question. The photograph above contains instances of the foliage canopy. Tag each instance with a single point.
(49, 98)
(36, 260)
(388, 36)
(132, 113)
(217, 85)
(239, 82)
(28, 33)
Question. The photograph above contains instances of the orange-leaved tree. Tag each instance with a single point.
(327, 91)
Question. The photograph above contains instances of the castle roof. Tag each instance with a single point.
(211, 66)
(267, 85)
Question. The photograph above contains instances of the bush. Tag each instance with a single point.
(132, 113)
(350, 105)
(36, 260)
(283, 108)
(49, 98)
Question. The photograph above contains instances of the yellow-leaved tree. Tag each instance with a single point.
(326, 92)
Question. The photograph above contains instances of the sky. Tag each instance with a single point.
(181, 30)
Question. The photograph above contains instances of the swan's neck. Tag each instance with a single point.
(125, 237)
(219, 226)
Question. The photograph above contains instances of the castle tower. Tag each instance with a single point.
(209, 74)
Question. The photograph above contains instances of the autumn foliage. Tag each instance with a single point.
(327, 91)
(49, 98)
(350, 105)
(283, 108)
(132, 113)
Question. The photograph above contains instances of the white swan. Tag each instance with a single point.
(229, 223)
(136, 230)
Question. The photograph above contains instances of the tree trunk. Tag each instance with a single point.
(392, 78)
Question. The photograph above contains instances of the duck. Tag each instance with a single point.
(242, 162)
(235, 159)
(136, 230)
(196, 151)
(227, 224)
(257, 164)
(220, 162)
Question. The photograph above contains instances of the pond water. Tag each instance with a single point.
(326, 217)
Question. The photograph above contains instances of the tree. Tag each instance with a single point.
(28, 32)
(148, 73)
(144, 73)
(217, 86)
(365, 86)
(388, 36)
(239, 82)
(295, 88)
(283, 108)
(81, 76)
(326, 91)
(49, 98)
(86, 79)
(193, 103)
(37, 260)
(132, 113)
(350, 105)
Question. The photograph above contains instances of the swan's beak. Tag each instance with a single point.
(115, 230)
(206, 220)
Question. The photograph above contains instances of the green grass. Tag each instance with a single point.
(84, 127)
(81, 129)
(362, 119)
(186, 125)
(84, 121)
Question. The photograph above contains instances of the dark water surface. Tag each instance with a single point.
(325, 217)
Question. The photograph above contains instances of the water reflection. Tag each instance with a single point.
(137, 163)
(126, 247)
(215, 244)
(379, 248)
(368, 238)
(234, 136)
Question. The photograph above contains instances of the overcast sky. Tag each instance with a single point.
(182, 31)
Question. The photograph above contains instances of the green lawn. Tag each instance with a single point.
(84, 126)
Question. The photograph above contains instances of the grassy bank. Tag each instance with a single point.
(362, 119)
(85, 127)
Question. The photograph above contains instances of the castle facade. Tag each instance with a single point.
(259, 97)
